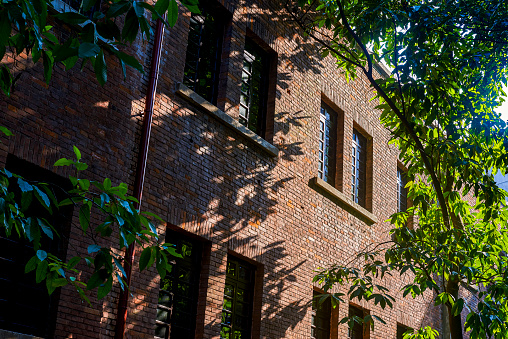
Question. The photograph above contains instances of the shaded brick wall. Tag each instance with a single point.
(209, 180)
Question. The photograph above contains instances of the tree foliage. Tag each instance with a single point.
(99, 28)
(447, 64)
(107, 215)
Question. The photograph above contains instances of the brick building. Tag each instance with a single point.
(264, 161)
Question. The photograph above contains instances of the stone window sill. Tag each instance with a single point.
(212, 110)
(343, 200)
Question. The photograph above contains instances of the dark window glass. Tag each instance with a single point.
(179, 291)
(327, 145)
(203, 59)
(401, 191)
(254, 90)
(359, 170)
(237, 304)
(25, 306)
(321, 314)
(401, 329)
(357, 331)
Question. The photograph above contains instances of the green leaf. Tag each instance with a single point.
(161, 6)
(31, 264)
(118, 9)
(80, 166)
(47, 60)
(95, 280)
(100, 69)
(172, 13)
(131, 27)
(191, 5)
(5, 131)
(42, 271)
(54, 283)
(45, 228)
(87, 50)
(144, 258)
(84, 217)
(88, 4)
(63, 162)
(42, 255)
(43, 198)
(103, 290)
(77, 153)
(24, 186)
(94, 248)
(5, 80)
(72, 18)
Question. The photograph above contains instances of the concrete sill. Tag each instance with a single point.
(11, 335)
(343, 200)
(210, 109)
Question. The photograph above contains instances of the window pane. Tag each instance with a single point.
(237, 304)
(359, 175)
(321, 315)
(254, 87)
(203, 58)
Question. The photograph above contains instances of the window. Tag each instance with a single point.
(203, 59)
(327, 144)
(359, 331)
(401, 329)
(238, 299)
(254, 90)
(359, 177)
(179, 291)
(25, 306)
(321, 315)
(401, 190)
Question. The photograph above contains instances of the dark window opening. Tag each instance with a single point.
(321, 316)
(254, 90)
(204, 49)
(327, 145)
(179, 290)
(401, 191)
(76, 6)
(357, 332)
(25, 306)
(359, 168)
(238, 300)
(401, 330)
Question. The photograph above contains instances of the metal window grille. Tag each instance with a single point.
(25, 306)
(254, 90)
(359, 168)
(356, 332)
(203, 58)
(326, 148)
(179, 291)
(401, 191)
(321, 315)
(237, 304)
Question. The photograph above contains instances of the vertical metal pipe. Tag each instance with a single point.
(139, 180)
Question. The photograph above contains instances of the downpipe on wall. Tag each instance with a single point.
(139, 179)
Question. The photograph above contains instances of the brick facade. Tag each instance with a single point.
(207, 179)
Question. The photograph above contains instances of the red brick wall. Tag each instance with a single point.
(209, 180)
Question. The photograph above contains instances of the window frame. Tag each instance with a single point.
(328, 122)
(195, 262)
(221, 19)
(359, 162)
(237, 282)
(320, 312)
(252, 52)
(402, 193)
(401, 329)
